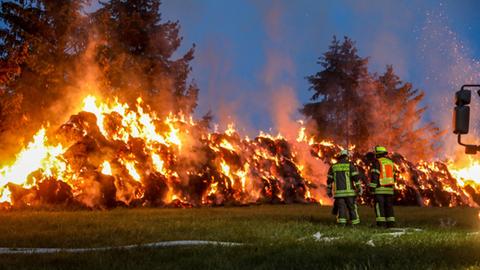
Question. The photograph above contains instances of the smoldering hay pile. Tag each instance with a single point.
(112, 155)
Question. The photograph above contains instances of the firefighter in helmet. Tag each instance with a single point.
(343, 183)
(382, 185)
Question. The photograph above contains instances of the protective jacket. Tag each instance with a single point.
(343, 179)
(382, 175)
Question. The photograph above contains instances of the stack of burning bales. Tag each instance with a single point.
(110, 155)
(418, 184)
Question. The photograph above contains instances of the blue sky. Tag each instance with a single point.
(247, 50)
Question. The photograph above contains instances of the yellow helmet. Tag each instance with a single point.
(380, 149)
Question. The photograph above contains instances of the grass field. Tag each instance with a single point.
(274, 237)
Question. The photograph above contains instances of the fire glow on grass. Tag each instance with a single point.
(110, 154)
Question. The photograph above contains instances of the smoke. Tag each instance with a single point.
(284, 104)
(278, 76)
(227, 96)
(269, 102)
(87, 79)
(272, 102)
(383, 45)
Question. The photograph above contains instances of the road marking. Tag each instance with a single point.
(5, 250)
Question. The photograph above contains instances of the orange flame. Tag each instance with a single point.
(157, 154)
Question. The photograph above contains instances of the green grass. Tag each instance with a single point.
(271, 235)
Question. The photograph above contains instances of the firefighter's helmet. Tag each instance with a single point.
(380, 150)
(342, 153)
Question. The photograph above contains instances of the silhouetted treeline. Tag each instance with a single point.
(352, 106)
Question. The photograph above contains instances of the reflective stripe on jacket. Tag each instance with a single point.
(342, 179)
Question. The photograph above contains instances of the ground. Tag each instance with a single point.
(273, 237)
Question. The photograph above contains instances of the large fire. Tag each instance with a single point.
(113, 155)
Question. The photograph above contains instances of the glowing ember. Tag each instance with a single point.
(106, 169)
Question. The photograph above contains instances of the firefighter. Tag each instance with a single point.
(343, 184)
(382, 185)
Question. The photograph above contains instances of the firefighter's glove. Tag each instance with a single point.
(329, 193)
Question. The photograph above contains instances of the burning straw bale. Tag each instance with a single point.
(112, 155)
(421, 184)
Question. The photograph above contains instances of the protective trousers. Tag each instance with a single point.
(384, 210)
(347, 210)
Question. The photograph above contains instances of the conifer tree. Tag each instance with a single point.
(137, 52)
(337, 107)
